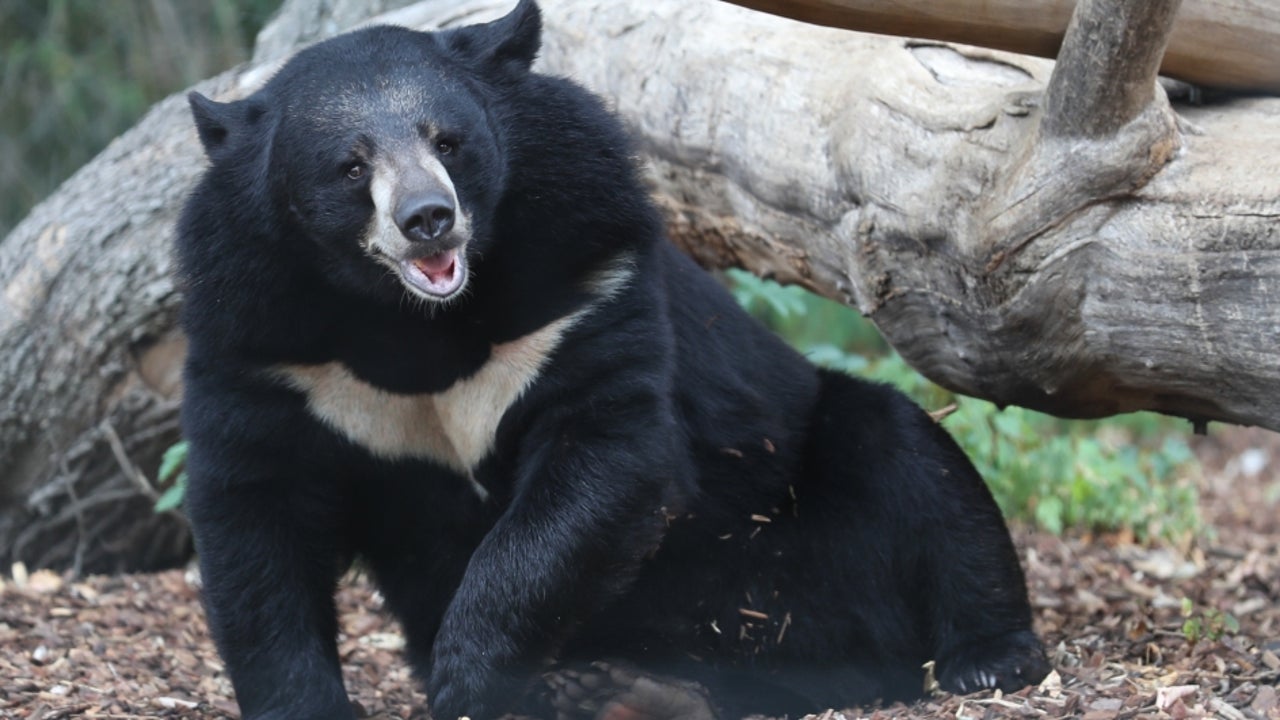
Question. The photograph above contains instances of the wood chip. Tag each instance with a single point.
(782, 631)
(1167, 696)
(941, 413)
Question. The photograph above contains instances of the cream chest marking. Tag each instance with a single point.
(456, 427)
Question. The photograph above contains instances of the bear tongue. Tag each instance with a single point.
(438, 268)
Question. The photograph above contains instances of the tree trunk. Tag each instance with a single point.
(1080, 249)
(1218, 43)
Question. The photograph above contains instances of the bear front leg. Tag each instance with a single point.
(269, 566)
(587, 509)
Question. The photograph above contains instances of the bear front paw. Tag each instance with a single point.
(459, 689)
(468, 681)
(1008, 663)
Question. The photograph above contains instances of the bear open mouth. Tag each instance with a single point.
(436, 277)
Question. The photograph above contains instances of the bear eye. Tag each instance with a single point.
(355, 171)
(446, 146)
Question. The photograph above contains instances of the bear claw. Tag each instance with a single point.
(1008, 663)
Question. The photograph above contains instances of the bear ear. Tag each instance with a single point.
(513, 39)
(214, 121)
(218, 123)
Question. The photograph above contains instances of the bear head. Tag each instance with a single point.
(376, 154)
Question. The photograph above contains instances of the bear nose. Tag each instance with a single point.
(425, 217)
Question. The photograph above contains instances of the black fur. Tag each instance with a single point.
(671, 465)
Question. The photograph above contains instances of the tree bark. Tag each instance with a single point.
(1059, 251)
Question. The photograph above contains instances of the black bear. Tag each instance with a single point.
(434, 324)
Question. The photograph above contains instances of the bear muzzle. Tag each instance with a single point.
(425, 221)
(417, 227)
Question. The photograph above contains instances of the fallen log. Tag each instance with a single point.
(1216, 43)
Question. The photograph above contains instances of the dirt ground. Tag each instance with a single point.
(1112, 613)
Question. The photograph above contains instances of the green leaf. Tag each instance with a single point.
(1191, 630)
(174, 458)
(171, 498)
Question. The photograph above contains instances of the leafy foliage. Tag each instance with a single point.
(1132, 472)
(74, 74)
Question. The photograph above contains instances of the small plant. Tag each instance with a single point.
(173, 474)
(1212, 624)
(1121, 473)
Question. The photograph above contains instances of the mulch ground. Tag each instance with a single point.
(1113, 613)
